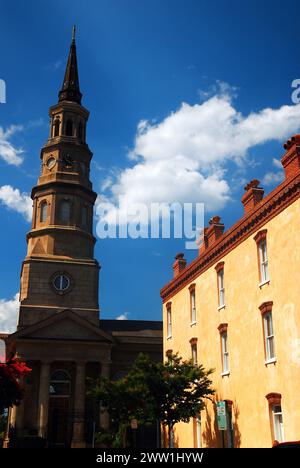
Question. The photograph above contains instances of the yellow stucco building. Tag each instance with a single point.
(236, 308)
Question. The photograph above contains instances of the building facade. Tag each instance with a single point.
(236, 309)
(59, 333)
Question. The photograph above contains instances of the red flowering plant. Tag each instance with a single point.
(11, 390)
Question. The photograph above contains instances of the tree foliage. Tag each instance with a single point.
(11, 390)
(169, 392)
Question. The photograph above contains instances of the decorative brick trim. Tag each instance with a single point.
(192, 287)
(219, 266)
(273, 204)
(266, 307)
(261, 235)
(222, 328)
(274, 398)
(168, 305)
(193, 341)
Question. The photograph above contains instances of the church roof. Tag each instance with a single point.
(130, 325)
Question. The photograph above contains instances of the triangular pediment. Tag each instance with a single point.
(66, 325)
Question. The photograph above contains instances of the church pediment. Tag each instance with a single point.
(65, 326)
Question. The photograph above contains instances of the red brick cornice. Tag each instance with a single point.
(274, 398)
(222, 328)
(266, 307)
(260, 235)
(219, 266)
(273, 204)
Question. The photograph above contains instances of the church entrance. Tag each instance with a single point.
(59, 416)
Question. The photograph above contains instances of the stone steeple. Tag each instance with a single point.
(59, 271)
(70, 90)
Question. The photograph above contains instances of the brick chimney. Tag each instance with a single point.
(254, 194)
(291, 158)
(179, 264)
(214, 231)
(202, 241)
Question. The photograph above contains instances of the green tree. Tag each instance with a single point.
(169, 392)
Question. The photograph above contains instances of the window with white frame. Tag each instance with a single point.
(221, 287)
(263, 261)
(193, 305)
(225, 354)
(277, 423)
(269, 336)
(194, 353)
(169, 321)
(198, 440)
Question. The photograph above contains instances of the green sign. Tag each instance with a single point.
(221, 415)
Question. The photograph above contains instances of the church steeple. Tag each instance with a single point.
(70, 90)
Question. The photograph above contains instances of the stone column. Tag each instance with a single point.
(78, 439)
(104, 416)
(43, 403)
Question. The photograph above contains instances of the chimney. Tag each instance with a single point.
(179, 264)
(214, 231)
(254, 194)
(291, 158)
(203, 241)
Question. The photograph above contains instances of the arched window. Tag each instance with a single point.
(69, 127)
(56, 128)
(80, 131)
(43, 211)
(84, 220)
(60, 383)
(65, 211)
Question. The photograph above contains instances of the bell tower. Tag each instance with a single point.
(59, 271)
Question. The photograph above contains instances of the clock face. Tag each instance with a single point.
(50, 162)
(61, 282)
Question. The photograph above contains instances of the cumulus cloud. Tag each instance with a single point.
(274, 177)
(8, 152)
(13, 199)
(122, 316)
(185, 156)
(9, 314)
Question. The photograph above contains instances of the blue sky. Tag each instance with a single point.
(139, 61)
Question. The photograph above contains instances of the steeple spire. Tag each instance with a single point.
(70, 89)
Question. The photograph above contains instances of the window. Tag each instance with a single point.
(56, 128)
(194, 353)
(60, 383)
(43, 212)
(261, 242)
(65, 211)
(69, 128)
(221, 289)
(269, 336)
(169, 321)
(84, 220)
(225, 354)
(263, 259)
(276, 420)
(193, 313)
(224, 348)
(277, 423)
(80, 131)
(268, 332)
(197, 431)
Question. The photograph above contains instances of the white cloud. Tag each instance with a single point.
(274, 177)
(9, 314)
(184, 157)
(13, 199)
(122, 316)
(8, 152)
